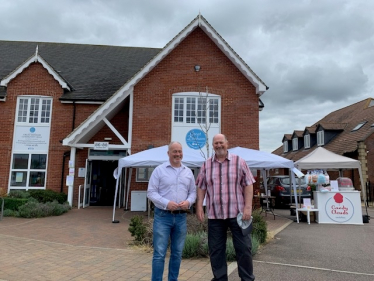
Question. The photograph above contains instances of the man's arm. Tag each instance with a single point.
(199, 204)
(248, 198)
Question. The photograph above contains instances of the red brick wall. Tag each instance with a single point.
(153, 94)
(35, 80)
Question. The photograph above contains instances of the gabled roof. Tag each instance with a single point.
(33, 59)
(86, 129)
(331, 126)
(287, 137)
(311, 130)
(345, 120)
(92, 72)
(298, 134)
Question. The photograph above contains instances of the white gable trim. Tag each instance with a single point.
(35, 58)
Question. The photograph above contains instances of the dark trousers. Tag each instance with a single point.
(217, 236)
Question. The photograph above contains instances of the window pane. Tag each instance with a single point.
(20, 161)
(191, 110)
(37, 179)
(178, 109)
(34, 110)
(213, 111)
(46, 111)
(38, 161)
(22, 110)
(18, 179)
(201, 110)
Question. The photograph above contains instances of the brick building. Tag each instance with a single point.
(76, 109)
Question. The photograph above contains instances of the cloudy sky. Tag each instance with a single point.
(316, 56)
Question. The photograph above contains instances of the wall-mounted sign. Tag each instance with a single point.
(195, 139)
(32, 138)
(101, 145)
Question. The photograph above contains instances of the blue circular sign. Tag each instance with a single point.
(32, 130)
(196, 138)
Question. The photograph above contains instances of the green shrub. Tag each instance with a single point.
(191, 246)
(35, 209)
(19, 194)
(260, 228)
(10, 213)
(255, 244)
(14, 204)
(137, 228)
(47, 195)
(230, 250)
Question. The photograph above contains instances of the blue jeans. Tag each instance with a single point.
(217, 236)
(165, 226)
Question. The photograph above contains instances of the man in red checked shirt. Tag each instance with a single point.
(227, 182)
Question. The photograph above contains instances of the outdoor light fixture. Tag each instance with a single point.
(108, 139)
(197, 68)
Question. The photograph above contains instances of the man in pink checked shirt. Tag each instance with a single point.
(227, 182)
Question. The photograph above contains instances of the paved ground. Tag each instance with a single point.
(329, 252)
(84, 244)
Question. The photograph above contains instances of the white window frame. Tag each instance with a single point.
(28, 171)
(187, 106)
(285, 146)
(28, 112)
(307, 141)
(320, 138)
(295, 144)
(144, 174)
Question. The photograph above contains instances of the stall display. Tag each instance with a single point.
(337, 202)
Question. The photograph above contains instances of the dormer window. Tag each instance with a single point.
(285, 146)
(295, 144)
(307, 141)
(358, 127)
(320, 138)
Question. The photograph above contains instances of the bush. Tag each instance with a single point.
(191, 246)
(35, 209)
(196, 243)
(255, 244)
(260, 228)
(23, 194)
(10, 213)
(14, 204)
(47, 195)
(137, 228)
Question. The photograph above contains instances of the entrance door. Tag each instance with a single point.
(87, 184)
(103, 184)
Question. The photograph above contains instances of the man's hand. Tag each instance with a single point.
(184, 205)
(200, 213)
(172, 206)
(247, 213)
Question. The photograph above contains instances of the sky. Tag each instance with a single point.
(315, 56)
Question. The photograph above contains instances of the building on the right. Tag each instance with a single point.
(348, 131)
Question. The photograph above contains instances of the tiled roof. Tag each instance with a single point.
(311, 130)
(287, 137)
(94, 72)
(332, 126)
(344, 119)
(299, 134)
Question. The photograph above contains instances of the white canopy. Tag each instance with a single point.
(321, 158)
(193, 158)
(255, 159)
